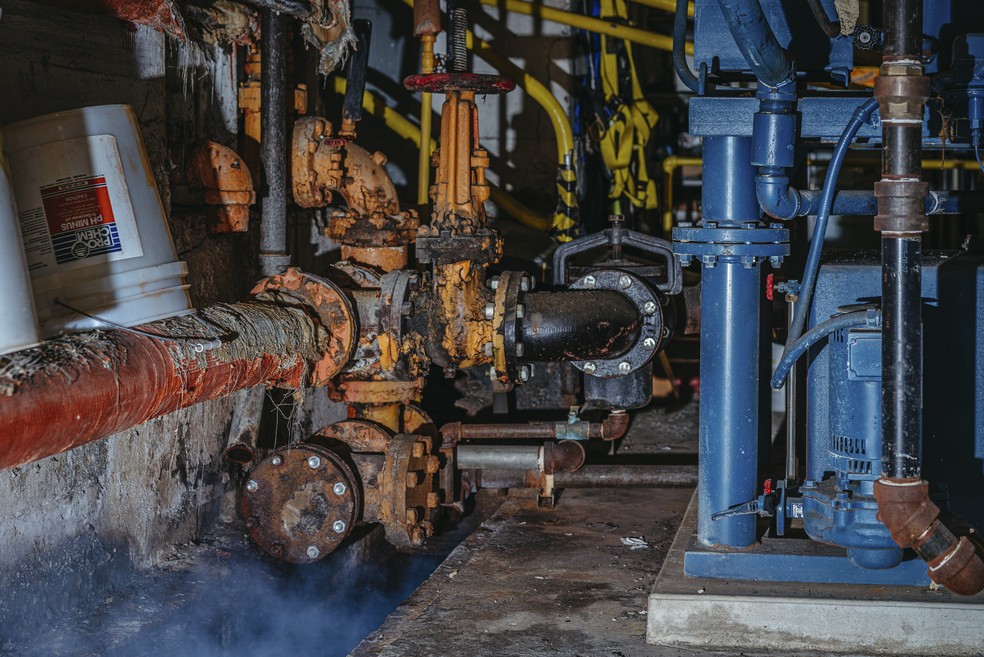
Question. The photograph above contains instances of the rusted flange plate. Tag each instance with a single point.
(301, 502)
(444, 82)
(327, 302)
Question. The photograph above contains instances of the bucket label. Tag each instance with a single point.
(80, 219)
(75, 206)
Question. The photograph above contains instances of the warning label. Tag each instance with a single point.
(74, 204)
(80, 219)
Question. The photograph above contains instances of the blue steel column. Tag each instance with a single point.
(731, 244)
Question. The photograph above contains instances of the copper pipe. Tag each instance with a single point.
(612, 428)
(913, 520)
(80, 388)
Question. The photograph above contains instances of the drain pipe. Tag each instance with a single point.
(298, 330)
(273, 147)
(903, 497)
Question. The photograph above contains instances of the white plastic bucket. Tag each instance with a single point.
(18, 322)
(94, 230)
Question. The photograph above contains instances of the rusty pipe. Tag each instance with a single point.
(612, 428)
(80, 388)
(594, 476)
(913, 521)
(227, 185)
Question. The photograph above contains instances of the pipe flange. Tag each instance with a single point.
(348, 227)
(652, 334)
(301, 502)
(749, 241)
(328, 303)
(505, 325)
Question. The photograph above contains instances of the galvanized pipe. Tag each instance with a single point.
(273, 148)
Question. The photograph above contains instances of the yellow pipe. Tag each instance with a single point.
(670, 165)
(624, 32)
(424, 158)
(536, 90)
(665, 5)
(404, 128)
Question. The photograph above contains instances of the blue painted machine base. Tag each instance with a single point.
(796, 560)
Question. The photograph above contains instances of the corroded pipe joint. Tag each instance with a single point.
(902, 95)
(612, 427)
(227, 185)
(901, 206)
(913, 521)
(326, 302)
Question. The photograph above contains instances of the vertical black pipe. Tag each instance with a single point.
(902, 356)
(358, 66)
(902, 91)
(273, 147)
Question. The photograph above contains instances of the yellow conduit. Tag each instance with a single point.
(670, 165)
(665, 5)
(404, 128)
(633, 34)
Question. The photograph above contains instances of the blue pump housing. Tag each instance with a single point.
(843, 402)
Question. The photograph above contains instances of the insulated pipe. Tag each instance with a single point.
(729, 352)
(273, 147)
(619, 31)
(402, 127)
(77, 389)
(769, 62)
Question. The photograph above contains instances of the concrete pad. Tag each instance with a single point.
(716, 614)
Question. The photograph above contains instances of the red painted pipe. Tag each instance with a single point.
(80, 388)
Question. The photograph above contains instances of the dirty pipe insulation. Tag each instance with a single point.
(76, 389)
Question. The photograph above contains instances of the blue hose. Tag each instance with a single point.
(861, 116)
(679, 41)
(758, 44)
(869, 316)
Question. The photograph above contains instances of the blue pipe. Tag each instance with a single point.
(758, 44)
(870, 317)
(729, 352)
(785, 203)
(860, 116)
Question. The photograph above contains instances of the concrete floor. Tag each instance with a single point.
(533, 582)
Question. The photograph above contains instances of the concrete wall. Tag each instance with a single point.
(74, 525)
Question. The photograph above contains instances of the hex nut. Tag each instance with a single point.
(314, 462)
(589, 281)
(313, 552)
(494, 283)
(338, 526)
(277, 460)
(339, 488)
(520, 311)
(590, 367)
(489, 349)
(520, 349)
(524, 373)
(649, 343)
(624, 367)
(624, 282)
(649, 307)
(489, 311)
(252, 485)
